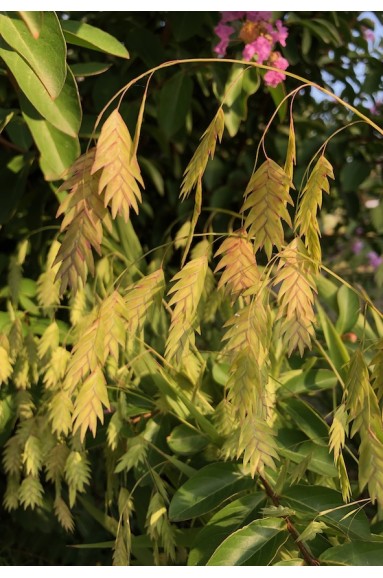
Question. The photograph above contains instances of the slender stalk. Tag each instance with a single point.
(124, 89)
(308, 558)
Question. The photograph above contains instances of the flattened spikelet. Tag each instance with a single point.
(306, 223)
(258, 446)
(296, 297)
(266, 197)
(31, 492)
(357, 392)
(245, 386)
(5, 365)
(338, 432)
(89, 403)
(77, 474)
(99, 339)
(60, 412)
(120, 172)
(249, 330)
(197, 165)
(377, 372)
(371, 466)
(63, 514)
(84, 213)
(140, 298)
(187, 291)
(240, 273)
(48, 286)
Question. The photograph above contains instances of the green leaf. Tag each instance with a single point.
(175, 100)
(224, 522)
(186, 441)
(207, 489)
(253, 545)
(355, 553)
(307, 420)
(89, 68)
(349, 309)
(107, 522)
(240, 85)
(13, 179)
(58, 150)
(64, 112)
(33, 21)
(278, 93)
(292, 447)
(327, 505)
(303, 381)
(353, 174)
(6, 114)
(337, 350)
(87, 36)
(46, 55)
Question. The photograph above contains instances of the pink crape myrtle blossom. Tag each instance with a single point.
(259, 36)
(223, 31)
(261, 46)
(258, 16)
(230, 16)
(280, 34)
(273, 78)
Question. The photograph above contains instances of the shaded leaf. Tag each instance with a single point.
(207, 489)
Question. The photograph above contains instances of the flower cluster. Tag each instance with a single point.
(259, 35)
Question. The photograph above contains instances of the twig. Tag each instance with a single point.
(309, 559)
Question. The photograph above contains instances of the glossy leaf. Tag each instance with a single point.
(89, 68)
(64, 112)
(327, 505)
(355, 553)
(307, 420)
(224, 522)
(87, 36)
(58, 150)
(33, 21)
(208, 489)
(46, 55)
(253, 545)
(303, 381)
(337, 350)
(186, 441)
(6, 115)
(349, 309)
(296, 449)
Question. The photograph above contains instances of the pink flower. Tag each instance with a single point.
(280, 34)
(374, 259)
(273, 78)
(261, 46)
(223, 32)
(221, 47)
(229, 16)
(258, 16)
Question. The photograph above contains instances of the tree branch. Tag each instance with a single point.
(309, 559)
